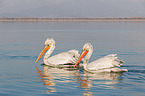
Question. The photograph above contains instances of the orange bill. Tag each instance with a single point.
(81, 57)
(45, 48)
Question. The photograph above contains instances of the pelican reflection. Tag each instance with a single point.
(105, 79)
(84, 80)
(51, 75)
(47, 81)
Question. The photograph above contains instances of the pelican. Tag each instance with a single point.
(106, 64)
(61, 59)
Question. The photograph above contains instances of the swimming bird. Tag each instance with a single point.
(106, 64)
(69, 57)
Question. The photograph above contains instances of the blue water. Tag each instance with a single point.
(21, 43)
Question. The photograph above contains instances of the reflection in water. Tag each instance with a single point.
(51, 75)
(85, 80)
(106, 80)
(47, 79)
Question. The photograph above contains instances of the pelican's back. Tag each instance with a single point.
(70, 56)
(106, 62)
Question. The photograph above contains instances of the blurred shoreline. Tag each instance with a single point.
(33, 19)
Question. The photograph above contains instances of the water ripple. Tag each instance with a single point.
(6, 57)
(132, 53)
(137, 70)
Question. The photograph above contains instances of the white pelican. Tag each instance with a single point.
(69, 57)
(105, 64)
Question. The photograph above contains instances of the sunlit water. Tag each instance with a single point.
(21, 43)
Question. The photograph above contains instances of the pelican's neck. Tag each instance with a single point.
(87, 57)
(48, 53)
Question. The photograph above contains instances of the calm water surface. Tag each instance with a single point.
(21, 43)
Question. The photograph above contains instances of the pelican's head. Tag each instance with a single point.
(87, 46)
(87, 52)
(48, 44)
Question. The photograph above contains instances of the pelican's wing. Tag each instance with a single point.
(108, 61)
(75, 54)
(64, 58)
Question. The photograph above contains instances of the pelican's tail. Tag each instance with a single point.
(115, 60)
(75, 53)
